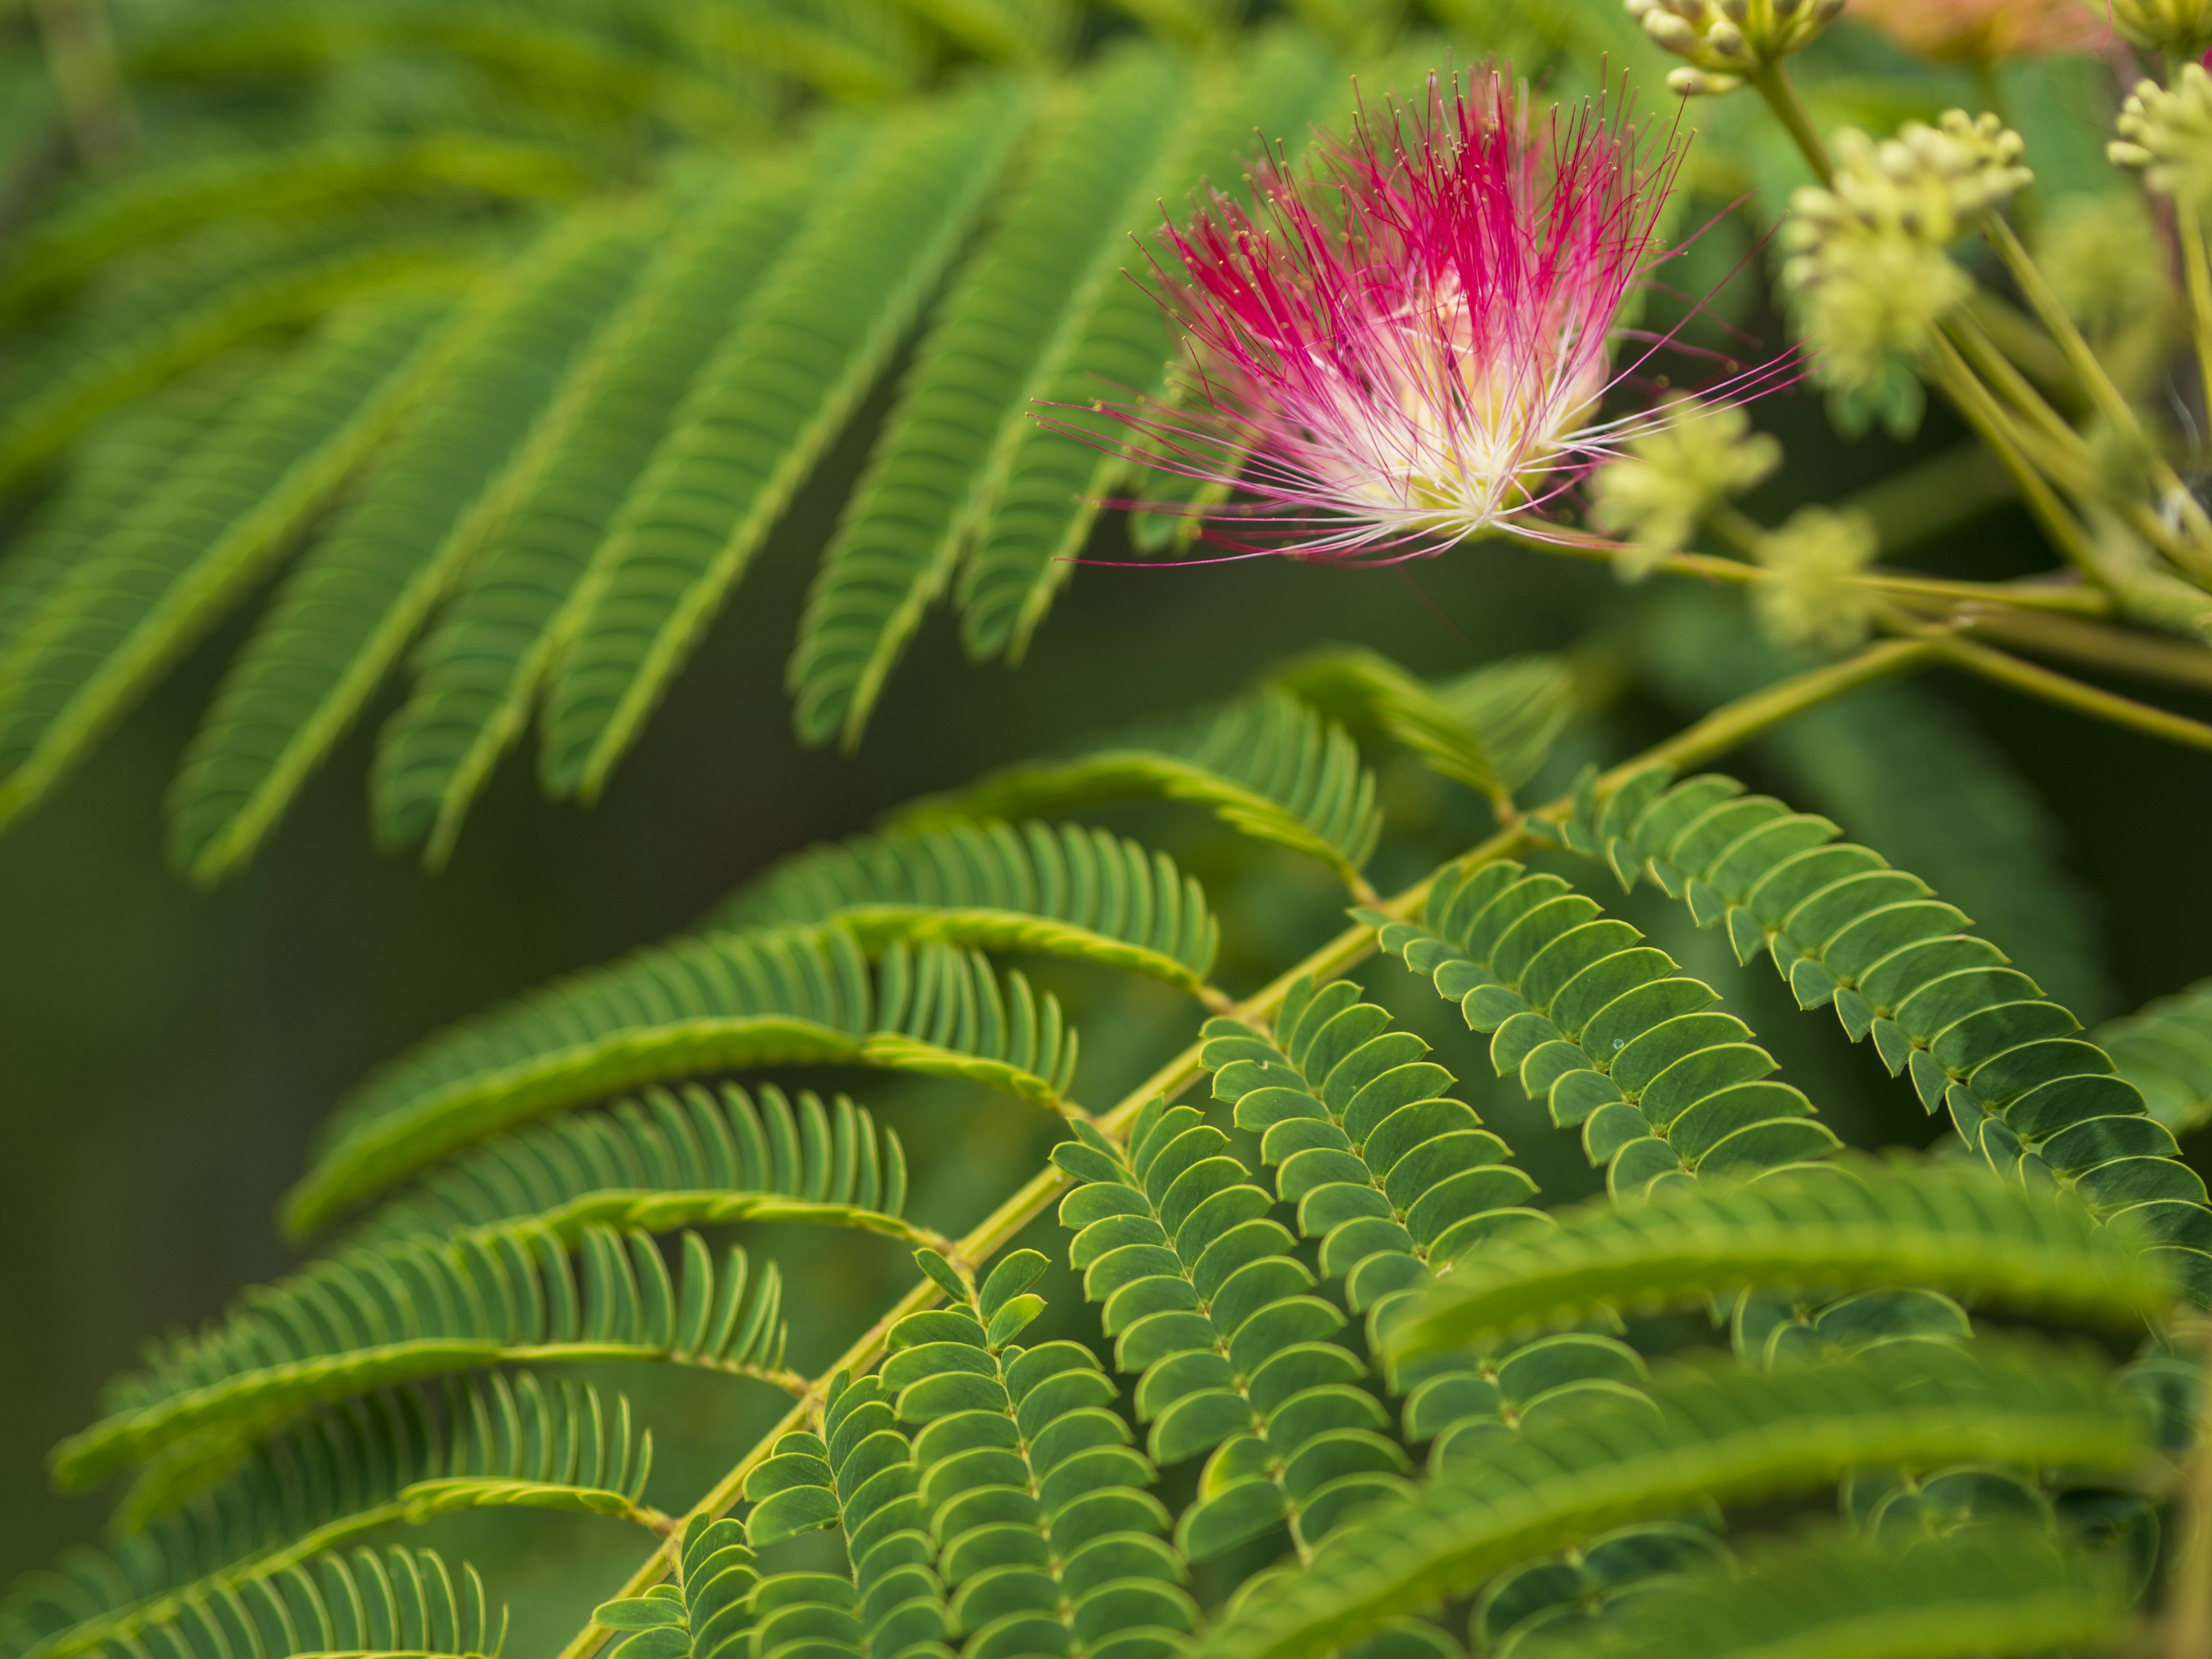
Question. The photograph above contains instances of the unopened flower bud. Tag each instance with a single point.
(1672, 478)
(2166, 133)
(1730, 39)
(1813, 596)
(2177, 28)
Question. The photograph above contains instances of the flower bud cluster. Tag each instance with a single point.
(2177, 28)
(1868, 260)
(1811, 598)
(2167, 131)
(1726, 41)
(1672, 478)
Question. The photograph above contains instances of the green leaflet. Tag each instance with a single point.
(1834, 1227)
(1266, 766)
(1558, 1594)
(664, 1159)
(192, 547)
(859, 1478)
(349, 608)
(343, 1471)
(706, 1612)
(1205, 1304)
(768, 997)
(154, 205)
(811, 342)
(1994, 1590)
(1976, 1036)
(862, 51)
(1048, 1537)
(1705, 1431)
(389, 1313)
(1059, 890)
(965, 403)
(1605, 1030)
(252, 282)
(1114, 342)
(2166, 1050)
(1489, 730)
(403, 1602)
(480, 670)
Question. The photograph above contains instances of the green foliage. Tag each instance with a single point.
(1267, 766)
(770, 996)
(1060, 891)
(1976, 1036)
(666, 1160)
(1993, 1590)
(707, 1611)
(1839, 1227)
(385, 1314)
(1714, 1434)
(2165, 1051)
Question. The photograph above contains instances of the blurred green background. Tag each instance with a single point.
(166, 1054)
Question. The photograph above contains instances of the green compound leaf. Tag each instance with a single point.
(342, 1472)
(2021, 1084)
(1704, 1432)
(480, 672)
(811, 342)
(705, 1611)
(1053, 890)
(1834, 1228)
(1993, 1591)
(384, 1315)
(347, 610)
(664, 1160)
(2166, 1050)
(1266, 766)
(779, 996)
(186, 550)
(1489, 730)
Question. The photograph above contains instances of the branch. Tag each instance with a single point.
(1723, 730)
(2055, 688)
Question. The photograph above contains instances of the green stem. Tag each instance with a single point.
(1722, 730)
(2147, 656)
(2052, 687)
(1781, 94)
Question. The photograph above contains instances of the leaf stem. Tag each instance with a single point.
(1723, 729)
(1781, 96)
(2052, 687)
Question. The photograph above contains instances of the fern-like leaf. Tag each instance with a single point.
(1231, 1348)
(1060, 891)
(403, 1603)
(349, 609)
(346, 1470)
(664, 1161)
(2165, 1051)
(1990, 1590)
(1704, 1432)
(1976, 1036)
(482, 668)
(376, 1317)
(1266, 766)
(965, 401)
(1836, 1228)
(192, 547)
(1018, 1448)
(778, 997)
(705, 1612)
(1605, 1030)
(1489, 730)
(1045, 486)
(809, 345)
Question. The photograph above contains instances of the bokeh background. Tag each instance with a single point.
(167, 1053)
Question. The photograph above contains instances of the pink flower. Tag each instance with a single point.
(1985, 30)
(1409, 346)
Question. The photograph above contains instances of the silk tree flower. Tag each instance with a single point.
(1409, 345)
(1983, 31)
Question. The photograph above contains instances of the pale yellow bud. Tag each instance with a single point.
(1726, 40)
(1813, 598)
(2177, 28)
(1674, 476)
(2167, 132)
